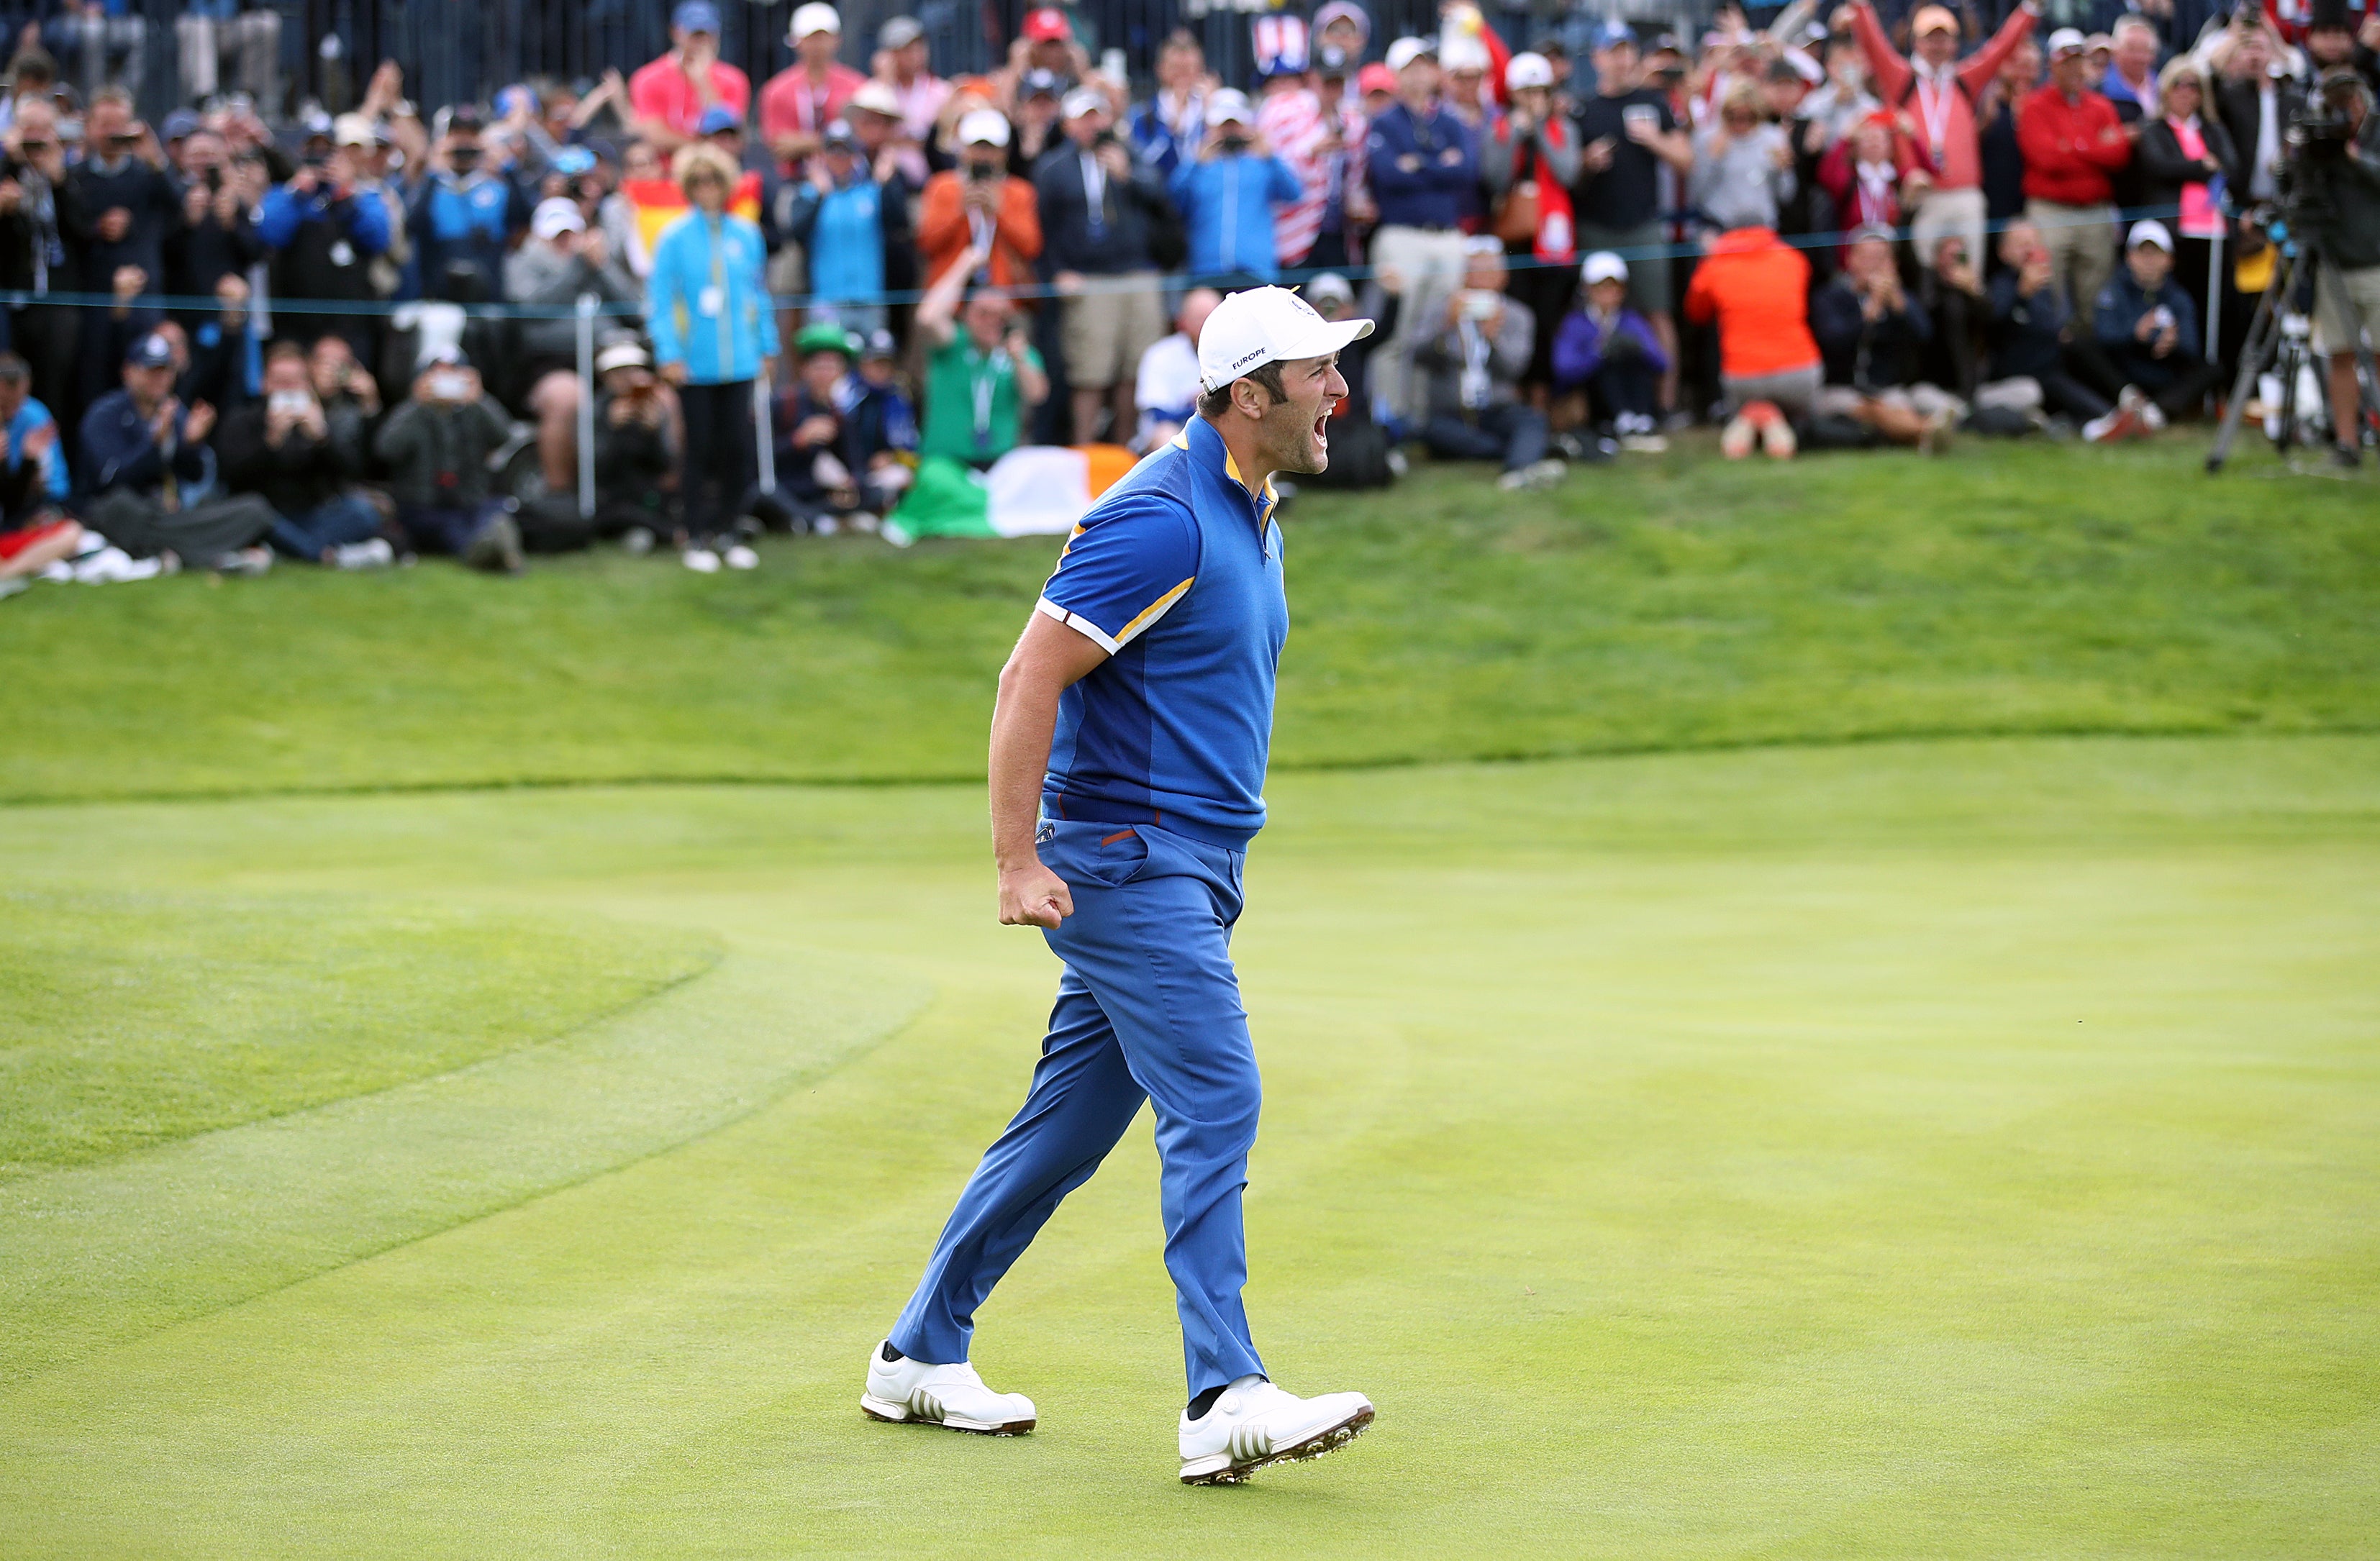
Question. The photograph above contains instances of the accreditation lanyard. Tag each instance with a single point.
(983, 379)
(1934, 107)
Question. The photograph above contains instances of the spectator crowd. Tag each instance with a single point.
(228, 341)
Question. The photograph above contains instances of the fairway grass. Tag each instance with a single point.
(1964, 1148)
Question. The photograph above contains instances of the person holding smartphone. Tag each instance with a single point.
(436, 449)
(286, 450)
(982, 374)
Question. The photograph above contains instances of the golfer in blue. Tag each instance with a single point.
(1128, 751)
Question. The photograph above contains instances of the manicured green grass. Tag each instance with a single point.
(1673, 602)
(1951, 1148)
(137, 1020)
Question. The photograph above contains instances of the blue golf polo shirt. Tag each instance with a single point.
(1177, 574)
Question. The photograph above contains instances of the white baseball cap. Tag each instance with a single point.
(554, 215)
(1083, 101)
(816, 16)
(2150, 232)
(621, 354)
(1603, 266)
(1267, 325)
(1228, 106)
(983, 126)
(2067, 41)
(1404, 50)
(1461, 51)
(1528, 70)
(876, 98)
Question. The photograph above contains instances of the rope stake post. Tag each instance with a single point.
(586, 405)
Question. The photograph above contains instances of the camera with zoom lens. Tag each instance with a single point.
(2319, 127)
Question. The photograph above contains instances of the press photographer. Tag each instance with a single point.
(2335, 168)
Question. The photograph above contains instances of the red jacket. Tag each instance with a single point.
(2070, 148)
(1757, 287)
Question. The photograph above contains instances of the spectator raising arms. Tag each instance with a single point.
(982, 375)
(324, 235)
(712, 331)
(463, 218)
(837, 214)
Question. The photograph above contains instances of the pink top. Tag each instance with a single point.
(662, 91)
(2199, 217)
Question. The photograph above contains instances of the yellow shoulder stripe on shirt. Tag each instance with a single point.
(1157, 610)
(1123, 636)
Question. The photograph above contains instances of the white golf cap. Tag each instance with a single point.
(983, 126)
(1528, 70)
(2150, 232)
(816, 16)
(1083, 101)
(1404, 50)
(1603, 266)
(1267, 325)
(557, 214)
(1228, 106)
(621, 354)
(1461, 51)
(2067, 41)
(876, 97)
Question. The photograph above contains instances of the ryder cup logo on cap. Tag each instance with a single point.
(1267, 325)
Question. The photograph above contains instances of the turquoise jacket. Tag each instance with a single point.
(707, 303)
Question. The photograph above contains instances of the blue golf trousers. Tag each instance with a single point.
(1148, 1009)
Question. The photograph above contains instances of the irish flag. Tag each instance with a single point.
(1039, 489)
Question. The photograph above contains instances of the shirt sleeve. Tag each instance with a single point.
(1124, 572)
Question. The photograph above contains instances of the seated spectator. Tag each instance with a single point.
(1227, 195)
(2148, 328)
(979, 205)
(324, 233)
(1951, 289)
(801, 101)
(1871, 330)
(1476, 357)
(1166, 388)
(1755, 287)
(1862, 174)
(2028, 358)
(882, 422)
(344, 386)
(637, 449)
(34, 532)
(561, 262)
(837, 215)
(667, 96)
(982, 374)
(436, 447)
(287, 451)
(1744, 165)
(2074, 147)
(464, 215)
(1607, 352)
(817, 462)
(1097, 205)
(140, 450)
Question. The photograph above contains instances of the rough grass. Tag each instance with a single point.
(1674, 602)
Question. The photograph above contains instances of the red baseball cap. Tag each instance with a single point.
(1047, 25)
(1375, 78)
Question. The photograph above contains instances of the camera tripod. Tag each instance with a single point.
(2279, 337)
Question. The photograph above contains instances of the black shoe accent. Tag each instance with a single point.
(1205, 1401)
(891, 1353)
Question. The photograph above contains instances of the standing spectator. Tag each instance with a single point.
(1939, 90)
(324, 233)
(801, 101)
(2073, 144)
(1168, 129)
(561, 262)
(2131, 79)
(1871, 332)
(436, 448)
(215, 41)
(1842, 100)
(1755, 288)
(1290, 118)
(1039, 95)
(141, 451)
(712, 333)
(286, 450)
(1628, 133)
(1095, 205)
(464, 215)
(667, 96)
(1476, 354)
(1529, 161)
(838, 215)
(980, 205)
(1864, 173)
(2347, 221)
(1343, 25)
(1167, 384)
(1744, 165)
(102, 48)
(1607, 352)
(219, 232)
(2255, 108)
(2001, 154)
(903, 59)
(2027, 338)
(982, 374)
(35, 259)
(1229, 195)
(1420, 161)
(2180, 155)
(1347, 209)
(2148, 328)
(118, 212)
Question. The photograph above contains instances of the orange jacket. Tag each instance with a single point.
(1757, 287)
(944, 233)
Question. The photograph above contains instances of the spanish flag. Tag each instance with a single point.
(660, 202)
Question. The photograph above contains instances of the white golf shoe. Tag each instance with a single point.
(1254, 1424)
(952, 1396)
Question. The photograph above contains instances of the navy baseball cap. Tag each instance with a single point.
(716, 118)
(151, 351)
(1614, 34)
(695, 16)
(180, 126)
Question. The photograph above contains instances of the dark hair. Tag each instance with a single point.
(1214, 402)
(12, 369)
(34, 64)
(285, 348)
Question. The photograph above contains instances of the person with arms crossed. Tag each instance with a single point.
(1128, 751)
